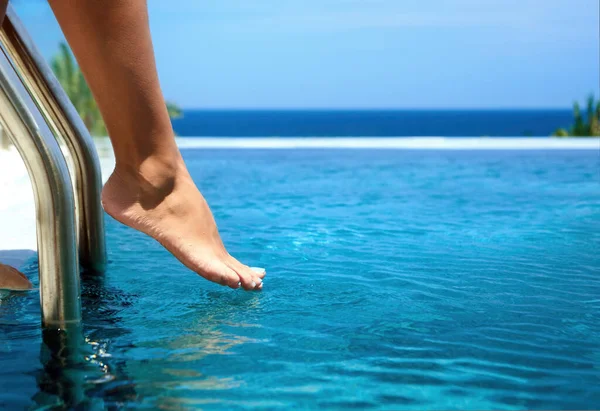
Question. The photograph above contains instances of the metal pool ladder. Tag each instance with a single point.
(35, 112)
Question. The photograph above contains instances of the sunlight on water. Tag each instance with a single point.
(396, 279)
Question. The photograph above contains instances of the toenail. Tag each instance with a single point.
(253, 284)
(239, 283)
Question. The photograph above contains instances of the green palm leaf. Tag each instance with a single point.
(584, 126)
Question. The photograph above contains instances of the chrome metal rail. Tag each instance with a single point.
(65, 123)
(35, 111)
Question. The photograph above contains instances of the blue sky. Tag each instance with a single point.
(366, 53)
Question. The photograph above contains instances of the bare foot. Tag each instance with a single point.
(161, 200)
(12, 279)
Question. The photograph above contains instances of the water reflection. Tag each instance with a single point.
(191, 357)
(59, 381)
(103, 327)
(80, 371)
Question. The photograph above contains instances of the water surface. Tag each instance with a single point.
(396, 280)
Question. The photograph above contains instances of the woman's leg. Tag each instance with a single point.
(150, 189)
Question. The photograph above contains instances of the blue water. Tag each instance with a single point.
(396, 280)
(356, 123)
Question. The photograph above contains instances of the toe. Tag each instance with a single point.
(222, 274)
(257, 282)
(249, 279)
(259, 272)
(248, 282)
(258, 275)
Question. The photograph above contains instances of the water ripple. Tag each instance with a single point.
(396, 280)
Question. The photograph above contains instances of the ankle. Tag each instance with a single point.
(153, 176)
(159, 166)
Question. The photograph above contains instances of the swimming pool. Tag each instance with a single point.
(396, 280)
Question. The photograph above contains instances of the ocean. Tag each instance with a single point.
(371, 123)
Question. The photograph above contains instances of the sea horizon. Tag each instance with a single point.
(371, 123)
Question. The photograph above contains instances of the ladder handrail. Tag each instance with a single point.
(35, 111)
(53, 194)
(65, 123)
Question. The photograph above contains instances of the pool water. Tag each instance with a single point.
(396, 280)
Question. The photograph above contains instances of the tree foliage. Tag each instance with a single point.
(584, 125)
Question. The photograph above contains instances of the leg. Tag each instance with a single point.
(150, 189)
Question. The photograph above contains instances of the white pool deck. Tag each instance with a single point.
(17, 212)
